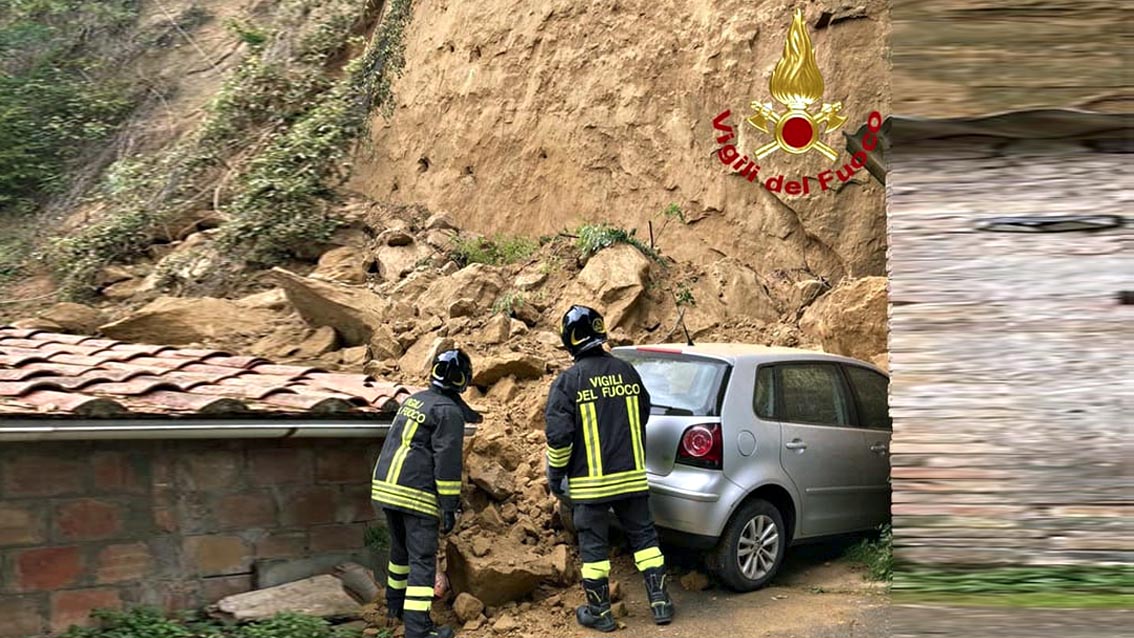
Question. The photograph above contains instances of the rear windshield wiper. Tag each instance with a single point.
(669, 410)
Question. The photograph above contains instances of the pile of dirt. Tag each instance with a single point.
(390, 291)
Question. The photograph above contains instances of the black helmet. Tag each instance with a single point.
(452, 370)
(583, 329)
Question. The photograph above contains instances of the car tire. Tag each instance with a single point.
(751, 549)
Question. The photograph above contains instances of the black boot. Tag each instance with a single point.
(596, 613)
(441, 632)
(660, 603)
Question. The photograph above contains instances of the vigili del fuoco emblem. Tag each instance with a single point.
(796, 84)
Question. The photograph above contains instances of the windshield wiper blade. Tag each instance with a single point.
(670, 410)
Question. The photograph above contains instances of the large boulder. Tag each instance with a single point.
(175, 320)
(353, 311)
(489, 475)
(506, 574)
(74, 318)
(616, 279)
(509, 364)
(478, 284)
(851, 319)
(345, 264)
(395, 262)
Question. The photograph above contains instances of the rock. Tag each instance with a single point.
(616, 277)
(619, 609)
(850, 319)
(321, 596)
(112, 274)
(509, 513)
(504, 624)
(615, 590)
(345, 264)
(882, 361)
(467, 607)
(496, 330)
(491, 477)
(174, 321)
(319, 342)
(517, 328)
(274, 299)
(352, 311)
(395, 262)
(384, 345)
(420, 355)
(395, 237)
(36, 323)
(504, 391)
(462, 308)
(561, 561)
(449, 268)
(514, 364)
(741, 291)
(126, 289)
(480, 284)
(440, 221)
(496, 581)
(357, 582)
(74, 318)
(353, 357)
(475, 623)
(530, 280)
(482, 546)
(694, 581)
(549, 338)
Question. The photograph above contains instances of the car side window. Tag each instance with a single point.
(812, 393)
(870, 390)
(764, 401)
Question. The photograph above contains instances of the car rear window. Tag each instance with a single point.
(680, 384)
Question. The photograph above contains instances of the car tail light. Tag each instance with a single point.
(702, 445)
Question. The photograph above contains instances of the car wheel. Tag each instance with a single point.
(751, 549)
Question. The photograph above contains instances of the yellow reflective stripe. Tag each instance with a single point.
(449, 488)
(629, 488)
(394, 583)
(382, 493)
(394, 568)
(418, 605)
(635, 431)
(596, 571)
(420, 592)
(403, 451)
(591, 439)
(649, 558)
(583, 481)
(388, 499)
(559, 454)
(426, 498)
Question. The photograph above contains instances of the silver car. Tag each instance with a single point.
(750, 449)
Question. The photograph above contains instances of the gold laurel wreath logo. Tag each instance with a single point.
(797, 84)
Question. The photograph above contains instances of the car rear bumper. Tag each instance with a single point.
(692, 501)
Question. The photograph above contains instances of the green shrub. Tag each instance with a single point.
(595, 237)
(52, 102)
(508, 304)
(150, 623)
(496, 251)
(877, 555)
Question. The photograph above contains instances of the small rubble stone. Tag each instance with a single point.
(694, 581)
(467, 607)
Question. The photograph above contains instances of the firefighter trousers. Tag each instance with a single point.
(412, 568)
(592, 524)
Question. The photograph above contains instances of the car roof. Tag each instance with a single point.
(737, 352)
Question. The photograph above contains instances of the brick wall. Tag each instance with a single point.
(172, 524)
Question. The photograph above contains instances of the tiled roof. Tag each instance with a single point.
(51, 374)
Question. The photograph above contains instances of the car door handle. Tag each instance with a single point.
(795, 444)
(879, 448)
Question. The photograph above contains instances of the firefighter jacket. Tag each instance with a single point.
(419, 468)
(596, 417)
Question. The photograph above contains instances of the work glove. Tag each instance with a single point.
(449, 520)
(557, 483)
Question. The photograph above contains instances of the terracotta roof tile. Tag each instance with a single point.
(46, 373)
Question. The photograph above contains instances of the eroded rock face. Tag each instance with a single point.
(498, 578)
(851, 319)
(176, 321)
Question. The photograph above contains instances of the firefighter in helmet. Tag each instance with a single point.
(596, 416)
(417, 484)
